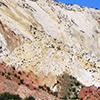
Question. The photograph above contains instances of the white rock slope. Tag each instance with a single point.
(49, 38)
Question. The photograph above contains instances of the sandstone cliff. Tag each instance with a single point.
(49, 39)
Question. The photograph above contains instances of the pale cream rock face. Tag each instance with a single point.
(53, 38)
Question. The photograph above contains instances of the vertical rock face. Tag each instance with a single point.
(49, 39)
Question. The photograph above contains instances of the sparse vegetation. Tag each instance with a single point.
(21, 81)
(13, 68)
(8, 96)
(69, 87)
(2, 73)
(30, 98)
(8, 77)
(15, 75)
(20, 73)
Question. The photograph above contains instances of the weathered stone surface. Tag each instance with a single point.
(48, 39)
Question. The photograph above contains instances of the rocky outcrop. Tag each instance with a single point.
(48, 39)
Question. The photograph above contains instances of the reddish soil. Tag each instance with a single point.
(90, 93)
(24, 84)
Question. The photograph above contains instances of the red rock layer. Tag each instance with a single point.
(90, 93)
(24, 84)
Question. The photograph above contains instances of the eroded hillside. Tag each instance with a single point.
(49, 39)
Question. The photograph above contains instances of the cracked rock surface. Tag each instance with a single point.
(48, 39)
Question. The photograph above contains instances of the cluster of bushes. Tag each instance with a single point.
(8, 96)
(70, 87)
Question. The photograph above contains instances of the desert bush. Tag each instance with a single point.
(69, 87)
(8, 96)
(30, 98)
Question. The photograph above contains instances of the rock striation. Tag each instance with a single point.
(48, 39)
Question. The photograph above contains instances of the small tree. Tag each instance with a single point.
(8, 96)
(30, 98)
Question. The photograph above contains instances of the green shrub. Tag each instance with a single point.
(8, 96)
(69, 87)
(30, 98)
